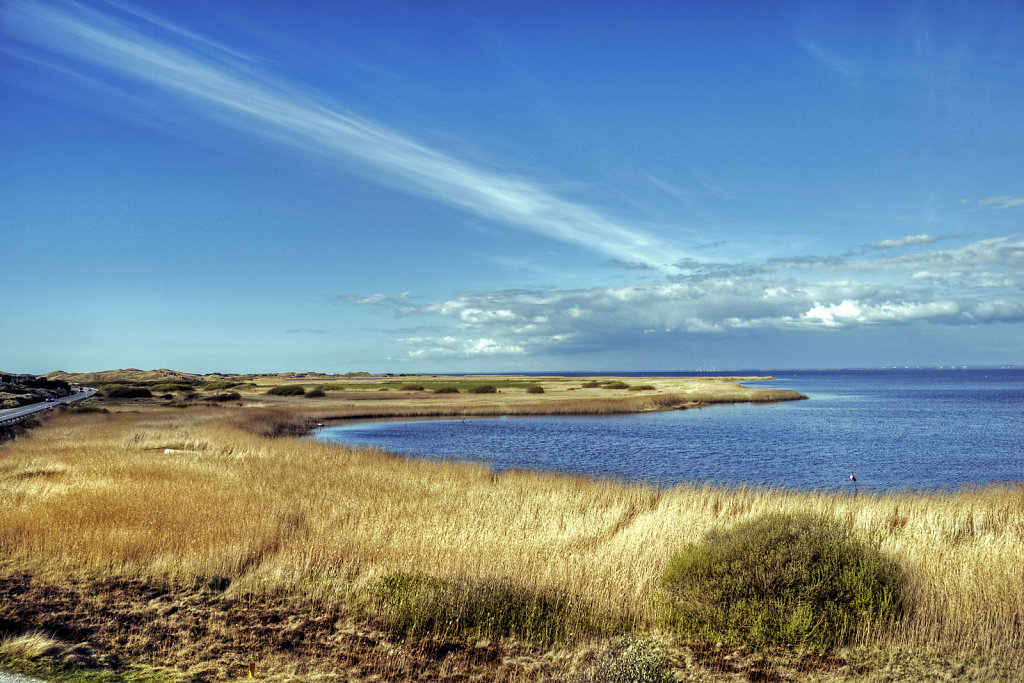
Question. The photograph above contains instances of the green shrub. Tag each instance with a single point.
(420, 604)
(632, 660)
(483, 389)
(781, 580)
(125, 391)
(220, 385)
(165, 387)
(642, 387)
(446, 390)
(411, 387)
(84, 409)
(591, 385)
(615, 385)
(226, 396)
(535, 389)
(287, 390)
(315, 392)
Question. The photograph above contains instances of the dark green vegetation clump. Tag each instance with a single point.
(315, 392)
(615, 385)
(420, 604)
(591, 385)
(642, 387)
(79, 408)
(225, 396)
(124, 391)
(165, 387)
(220, 385)
(411, 387)
(483, 389)
(287, 390)
(792, 580)
(535, 389)
(446, 390)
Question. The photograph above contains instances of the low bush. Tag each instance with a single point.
(411, 387)
(225, 396)
(615, 385)
(642, 387)
(166, 387)
(287, 390)
(124, 391)
(420, 604)
(535, 389)
(446, 390)
(483, 389)
(591, 385)
(315, 392)
(781, 580)
(632, 660)
(84, 409)
(220, 385)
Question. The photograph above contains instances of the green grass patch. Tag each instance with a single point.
(790, 580)
(420, 604)
(40, 656)
(287, 390)
(77, 408)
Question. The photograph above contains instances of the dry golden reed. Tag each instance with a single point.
(201, 494)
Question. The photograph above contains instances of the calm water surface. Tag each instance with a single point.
(916, 429)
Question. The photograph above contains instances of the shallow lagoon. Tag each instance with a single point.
(915, 429)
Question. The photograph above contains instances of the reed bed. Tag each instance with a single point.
(206, 496)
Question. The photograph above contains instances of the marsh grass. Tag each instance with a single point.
(228, 496)
(474, 609)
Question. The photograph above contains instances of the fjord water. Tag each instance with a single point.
(895, 429)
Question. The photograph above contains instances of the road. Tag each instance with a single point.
(11, 415)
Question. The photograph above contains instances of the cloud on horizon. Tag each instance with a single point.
(976, 284)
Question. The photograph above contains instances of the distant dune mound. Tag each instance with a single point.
(124, 375)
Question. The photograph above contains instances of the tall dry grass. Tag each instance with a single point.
(201, 496)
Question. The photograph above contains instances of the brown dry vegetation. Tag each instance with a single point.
(203, 540)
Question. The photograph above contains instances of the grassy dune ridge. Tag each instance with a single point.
(216, 497)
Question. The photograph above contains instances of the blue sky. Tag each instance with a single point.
(499, 186)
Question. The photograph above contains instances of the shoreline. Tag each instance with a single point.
(231, 544)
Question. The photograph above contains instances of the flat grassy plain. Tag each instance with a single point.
(213, 543)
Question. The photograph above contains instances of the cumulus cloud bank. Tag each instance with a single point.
(978, 283)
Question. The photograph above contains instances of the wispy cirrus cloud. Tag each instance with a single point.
(222, 85)
(975, 284)
(907, 241)
(1001, 202)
